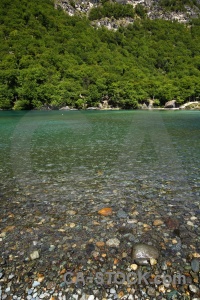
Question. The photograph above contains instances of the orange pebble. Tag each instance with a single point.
(106, 211)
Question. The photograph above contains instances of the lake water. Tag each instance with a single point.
(53, 162)
(57, 169)
(100, 152)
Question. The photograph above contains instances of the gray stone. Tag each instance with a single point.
(65, 108)
(193, 288)
(151, 291)
(195, 265)
(52, 248)
(113, 242)
(30, 291)
(122, 214)
(177, 247)
(35, 283)
(142, 253)
(131, 238)
(164, 266)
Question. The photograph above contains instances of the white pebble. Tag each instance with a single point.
(112, 291)
(7, 290)
(35, 295)
(34, 255)
(190, 223)
(11, 276)
(35, 283)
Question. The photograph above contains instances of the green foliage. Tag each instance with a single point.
(109, 10)
(22, 105)
(140, 11)
(49, 58)
(80, 104)
(177, 5)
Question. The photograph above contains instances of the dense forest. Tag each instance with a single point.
(49, 58)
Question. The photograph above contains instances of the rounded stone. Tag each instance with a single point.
(142, 253)
(151, 291)
(106, 211)
(195, 265)
(193, 288)
(113, 242)
(122, 214)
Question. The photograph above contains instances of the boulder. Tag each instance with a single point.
(142, 253)
(65, 108)
(92, 108)
(170, 104)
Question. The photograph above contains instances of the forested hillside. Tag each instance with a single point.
(49, 58)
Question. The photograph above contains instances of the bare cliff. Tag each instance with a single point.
(154, 9)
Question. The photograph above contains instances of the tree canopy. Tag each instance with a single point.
(51, 58)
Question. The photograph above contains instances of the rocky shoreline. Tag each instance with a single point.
(42, 261)
(195, 105)
(111, 212)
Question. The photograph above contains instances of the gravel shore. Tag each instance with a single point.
(43, 241)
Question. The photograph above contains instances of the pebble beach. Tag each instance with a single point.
(92, 230)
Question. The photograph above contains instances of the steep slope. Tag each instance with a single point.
(51, 59)
(173, 10)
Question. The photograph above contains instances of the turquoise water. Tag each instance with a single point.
(69, 157)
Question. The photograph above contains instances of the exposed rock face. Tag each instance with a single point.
(144, 106)
(170, 104)
(104, 103)
(191, 105)
(154, 11)
(112, 24)
(151, 102)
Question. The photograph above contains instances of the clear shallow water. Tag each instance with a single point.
(57, 169)
(72, 158)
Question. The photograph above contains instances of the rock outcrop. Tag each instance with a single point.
(170, 104)
(65, 108)
(191, 105)
(153, 10)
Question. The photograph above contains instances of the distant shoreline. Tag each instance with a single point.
(195, 105)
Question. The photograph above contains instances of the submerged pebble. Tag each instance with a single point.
(195, 264)
(85, 209)
(142, 253)
(114, 242)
